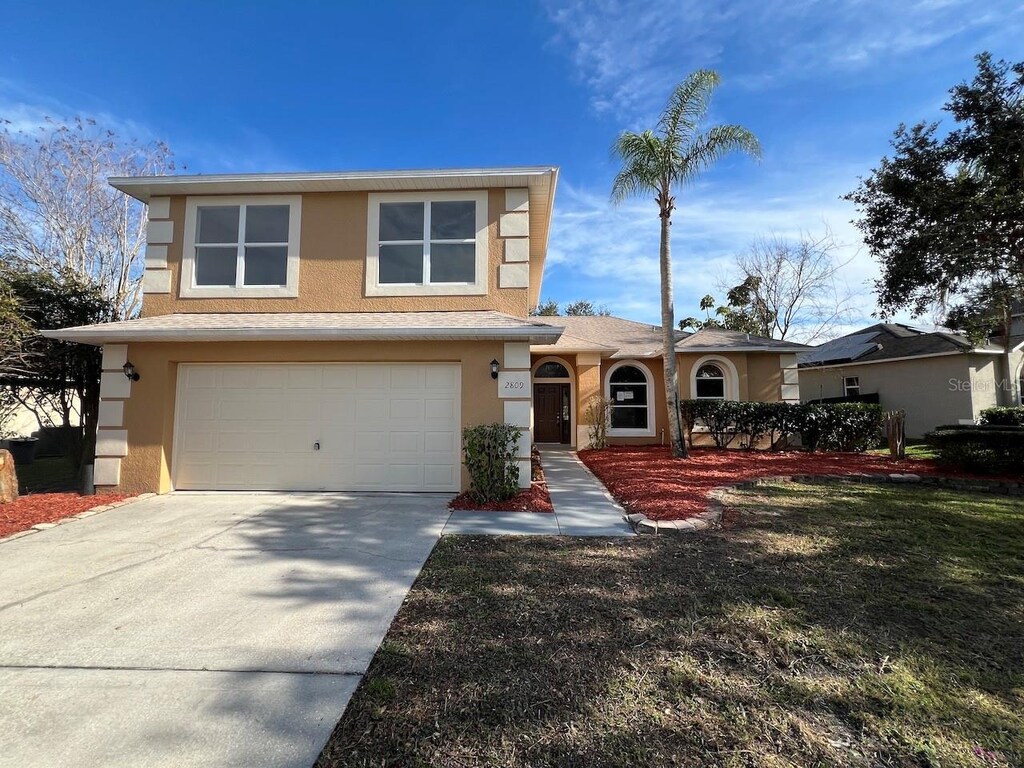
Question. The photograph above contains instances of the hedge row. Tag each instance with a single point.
(986, 448)
(821, 426)
(1003, 416)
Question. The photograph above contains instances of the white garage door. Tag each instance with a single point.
(330, 427)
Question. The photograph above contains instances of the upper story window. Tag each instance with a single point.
(427, 244)
(851, 386)
(244, 247)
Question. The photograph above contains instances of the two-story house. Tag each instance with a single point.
(336, 331)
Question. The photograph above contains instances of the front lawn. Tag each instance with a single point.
(647, 480)
(832, 625)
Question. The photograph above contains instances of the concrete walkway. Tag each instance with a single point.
(582, 506)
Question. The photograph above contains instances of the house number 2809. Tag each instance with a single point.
(515, 384)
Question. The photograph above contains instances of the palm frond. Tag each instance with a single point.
(688, 105)
(709, 147)
(642, 170)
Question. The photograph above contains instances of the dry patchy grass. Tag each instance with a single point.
(833, 626)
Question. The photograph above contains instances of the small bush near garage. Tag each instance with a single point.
(491, 457)
(992, 449)
(822, 426)
(1003, 416)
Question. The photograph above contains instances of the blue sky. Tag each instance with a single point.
(271, 86)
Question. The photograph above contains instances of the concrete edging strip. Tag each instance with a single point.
(71, 518)
(712, 516)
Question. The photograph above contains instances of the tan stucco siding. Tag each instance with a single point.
(932, 390)
(332, 267)
(149, 412)
(758, 374)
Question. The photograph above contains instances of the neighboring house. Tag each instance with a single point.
(336, 331)
(621, 360)
(936, 377)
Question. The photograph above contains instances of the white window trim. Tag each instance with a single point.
(570, 380)
(732, 377)
(651, 396)
(373, 284)
(189, 290)
(847, 387)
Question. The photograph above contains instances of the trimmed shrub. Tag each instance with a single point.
(852, 427)
(1004, 416)
(491, 457)
(987, 449)
(753, 421)
(822, 426)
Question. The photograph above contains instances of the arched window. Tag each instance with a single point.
(630, 394)
(551, 370)
(710, 383)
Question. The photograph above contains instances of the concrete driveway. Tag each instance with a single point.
(200, 629)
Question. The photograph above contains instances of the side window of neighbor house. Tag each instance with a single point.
(851, 386)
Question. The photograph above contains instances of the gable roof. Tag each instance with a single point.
(888, 341)
(611, 336)
(616, 337)
(722, 340)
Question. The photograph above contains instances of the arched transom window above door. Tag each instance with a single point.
(551, 370)
(630, 394)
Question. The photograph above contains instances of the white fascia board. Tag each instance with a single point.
(99, 336)
(144, 187)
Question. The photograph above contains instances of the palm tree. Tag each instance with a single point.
(663, 161)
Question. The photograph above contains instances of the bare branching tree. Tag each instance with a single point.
(58, 214)
(796, 285)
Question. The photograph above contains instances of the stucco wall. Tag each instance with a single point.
(759, 377)
(332, 266)
(149, 411)
(932, 390)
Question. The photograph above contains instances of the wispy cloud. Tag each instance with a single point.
(630, 52)
(610, 254)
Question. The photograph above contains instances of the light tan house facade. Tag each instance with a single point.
(337, 331)
(935, 377)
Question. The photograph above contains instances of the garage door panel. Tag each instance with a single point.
(380, 427)
(372, 377)
(437, 409)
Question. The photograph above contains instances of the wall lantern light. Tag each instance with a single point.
(494, 369)
(130, 372)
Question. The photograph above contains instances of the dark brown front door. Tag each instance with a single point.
(550, 411)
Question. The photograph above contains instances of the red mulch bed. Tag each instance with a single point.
(648, 480)
(532, 499)
(35, 508)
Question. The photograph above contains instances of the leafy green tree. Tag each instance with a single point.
(585, 308)
(744, 312)
(944, 215)
(547, 308)
(573, 309)
(661, 162)
(63, 374)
